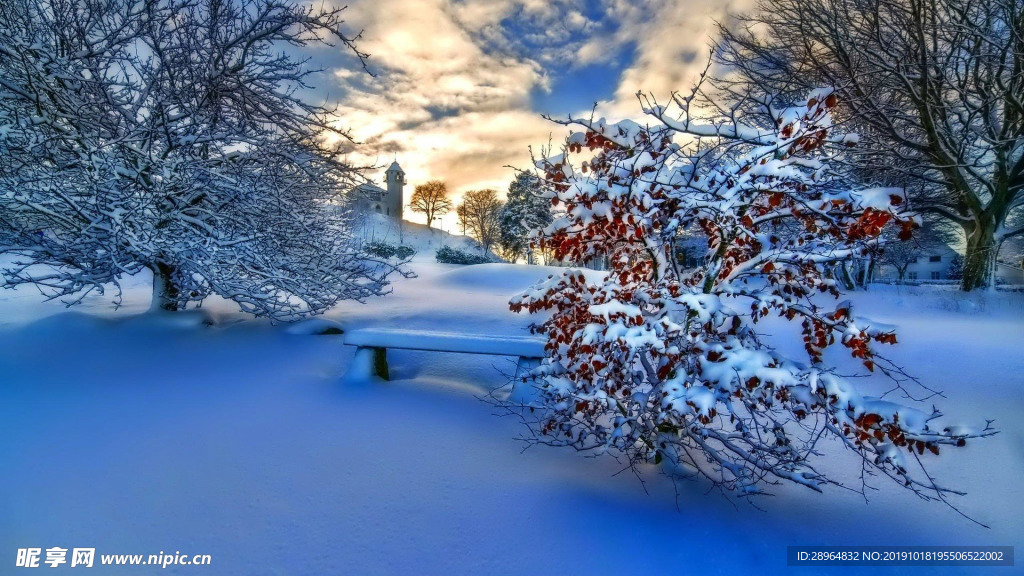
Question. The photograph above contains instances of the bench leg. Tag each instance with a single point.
(522, 389)
(380, 363)
(369, 363)
(524, 366)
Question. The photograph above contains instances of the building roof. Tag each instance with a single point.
(367, 187)
(370, 191)
(940, 248)
(395, 167)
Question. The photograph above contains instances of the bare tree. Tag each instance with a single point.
(480, 215)
(900, 255)
(935, 88)
(169, 135)
(431, 200)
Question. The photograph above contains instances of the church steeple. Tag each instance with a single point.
(395, 179)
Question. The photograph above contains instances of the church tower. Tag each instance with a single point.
(395, 178)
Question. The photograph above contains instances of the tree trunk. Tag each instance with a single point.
(861, 271)
(980, 257)
(165, 292)
(843, 276)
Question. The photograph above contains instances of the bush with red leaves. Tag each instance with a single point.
(661, 363)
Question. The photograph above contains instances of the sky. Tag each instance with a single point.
(460, 87)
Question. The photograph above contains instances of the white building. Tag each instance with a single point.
(1010, 273)
(388, 202)
(932, 264)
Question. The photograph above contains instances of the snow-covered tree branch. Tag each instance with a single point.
(171, 135)
(659, 362)
(935, 86)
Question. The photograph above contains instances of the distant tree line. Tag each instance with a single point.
(505, 226)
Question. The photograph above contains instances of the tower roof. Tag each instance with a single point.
(395, 167)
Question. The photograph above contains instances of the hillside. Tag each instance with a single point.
(424, 240)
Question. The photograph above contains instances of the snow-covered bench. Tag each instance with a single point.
(372, 345)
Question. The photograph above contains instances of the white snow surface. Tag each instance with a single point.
(526, 346)
(138, 434)
(425, 240)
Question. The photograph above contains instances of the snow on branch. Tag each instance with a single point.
(662, 362)
(170, 135)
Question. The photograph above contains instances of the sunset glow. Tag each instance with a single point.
(460, 87)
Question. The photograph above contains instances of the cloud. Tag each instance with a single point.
(451, 98)
(671, 40)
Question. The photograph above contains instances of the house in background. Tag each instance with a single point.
(932, 264)
(1010, 267)
(1010, 273)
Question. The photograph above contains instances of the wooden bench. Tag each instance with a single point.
(372, 345)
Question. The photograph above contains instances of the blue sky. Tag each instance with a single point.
(460, 86)
(576, 88)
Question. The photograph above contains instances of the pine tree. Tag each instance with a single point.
(956, 268)
(527, 210)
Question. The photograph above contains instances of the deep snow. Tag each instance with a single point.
(136, 435)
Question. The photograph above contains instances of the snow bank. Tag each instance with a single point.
(425, 240)
(239, 441)
(508, 278)
(316, 325)
(495, 345)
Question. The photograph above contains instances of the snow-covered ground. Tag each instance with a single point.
(424, 239)
(135, 436)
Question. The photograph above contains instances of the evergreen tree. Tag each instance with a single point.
(956, 268)
(527, 209)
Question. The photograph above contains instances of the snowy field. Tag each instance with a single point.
(136, 436)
